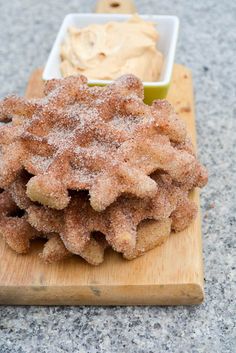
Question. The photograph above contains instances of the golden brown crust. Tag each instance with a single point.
(18, 233)
(14, 227)
(54, 250)
(105, 140)
(135, 161)
(118, 223)
(150, 234)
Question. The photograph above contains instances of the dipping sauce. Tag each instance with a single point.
(105, 52)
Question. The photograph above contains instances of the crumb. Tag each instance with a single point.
(185, 109)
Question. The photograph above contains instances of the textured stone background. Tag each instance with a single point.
(206, 42)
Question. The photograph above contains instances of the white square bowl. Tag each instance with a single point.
(167, 27)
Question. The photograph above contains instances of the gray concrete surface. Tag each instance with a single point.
(207, 45)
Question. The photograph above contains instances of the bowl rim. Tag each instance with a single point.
(171, 52)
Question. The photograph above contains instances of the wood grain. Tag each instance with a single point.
(115, 6)
(171, 274)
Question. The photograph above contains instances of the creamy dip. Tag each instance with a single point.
(105, 52)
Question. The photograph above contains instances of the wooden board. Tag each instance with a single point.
(115, 6)
(171, 274)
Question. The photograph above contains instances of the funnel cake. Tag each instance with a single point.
(18, 233)
(92, 167)
(101, 139)
(121, 222)
(49, 223)
(78, 222)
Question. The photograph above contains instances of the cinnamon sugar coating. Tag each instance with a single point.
(78, 222)
(118, 225)
(102, 139)
(48, 223)
(18, 233)
(93, 167)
